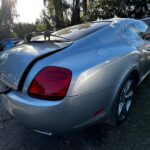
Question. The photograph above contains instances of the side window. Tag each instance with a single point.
(142, 29)
(130, 36)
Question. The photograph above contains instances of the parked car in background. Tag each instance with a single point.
(8, 43)
(77, 77)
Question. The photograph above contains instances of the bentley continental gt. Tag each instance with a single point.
(69, 79)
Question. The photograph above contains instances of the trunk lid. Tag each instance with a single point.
(15, 61)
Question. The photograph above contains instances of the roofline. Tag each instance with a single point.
(113, 20)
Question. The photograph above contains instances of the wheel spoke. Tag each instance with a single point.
(124, 111)
(120, 108)
(128, 95)
(128, 86)
(128, 104)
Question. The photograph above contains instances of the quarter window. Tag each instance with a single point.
(143, 30)
(130, 36)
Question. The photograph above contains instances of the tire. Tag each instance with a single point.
(125, 100)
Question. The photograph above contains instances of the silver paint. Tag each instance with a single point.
(99, 62)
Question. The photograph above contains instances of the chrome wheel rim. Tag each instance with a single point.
(125, 100)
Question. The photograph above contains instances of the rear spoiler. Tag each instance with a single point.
(28, 37)
(47, 34)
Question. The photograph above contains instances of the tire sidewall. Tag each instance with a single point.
(117, 117)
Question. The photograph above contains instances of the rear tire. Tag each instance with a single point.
(125, 100)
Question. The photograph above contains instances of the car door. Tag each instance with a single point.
(142, 30)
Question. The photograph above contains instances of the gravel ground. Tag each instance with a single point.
(133, 134)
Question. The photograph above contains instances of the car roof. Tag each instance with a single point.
(147, 20)
(79, 31)
(82, 30)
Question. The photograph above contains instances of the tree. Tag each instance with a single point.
(54, 12)
(58, 13)
(104, 9)
(7, 14)
(84, 7)
(21, 29)
(64, 13)
(76, 12)
(45, 1)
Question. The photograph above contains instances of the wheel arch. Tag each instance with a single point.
(135, 73)
(132, 72)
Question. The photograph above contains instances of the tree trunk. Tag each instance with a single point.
(85, 7)
(58, 14)
(76, 12)
(6, 17)
(44, 1)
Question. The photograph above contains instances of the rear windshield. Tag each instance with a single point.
(79, 31)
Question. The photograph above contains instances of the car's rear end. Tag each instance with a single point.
(46, 90)
(40, 84)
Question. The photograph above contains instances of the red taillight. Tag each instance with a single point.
(51, 83)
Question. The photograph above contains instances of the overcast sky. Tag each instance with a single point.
(29, 10)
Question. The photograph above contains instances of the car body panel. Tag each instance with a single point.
(43, 115)
(88, 77)
(11, 71)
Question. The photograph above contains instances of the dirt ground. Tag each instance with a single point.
(134, 134)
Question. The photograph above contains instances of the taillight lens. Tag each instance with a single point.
(51, 83)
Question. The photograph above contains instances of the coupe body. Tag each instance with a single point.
(80, 76)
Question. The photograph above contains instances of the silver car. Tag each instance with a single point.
(63, 81)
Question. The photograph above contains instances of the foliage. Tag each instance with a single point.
(104, 9)
(62, 13)
(7, 14)
(40, 28)
(88, 10)
(21, 29)
(53, 13)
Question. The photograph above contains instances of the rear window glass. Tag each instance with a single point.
(130, 36)
(79, 31)
(141, 26)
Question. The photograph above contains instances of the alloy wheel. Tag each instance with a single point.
(125, 99)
